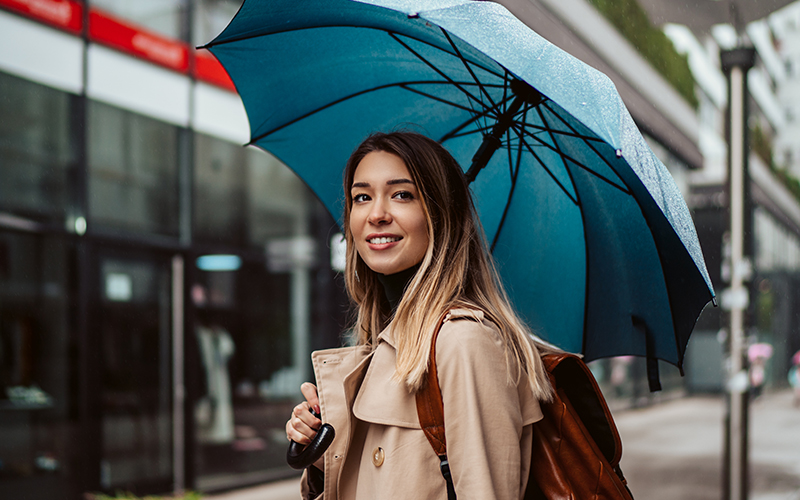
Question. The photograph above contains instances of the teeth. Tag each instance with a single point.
(380, 241)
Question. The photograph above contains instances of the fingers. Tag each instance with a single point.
(302, 427)
(309, 391)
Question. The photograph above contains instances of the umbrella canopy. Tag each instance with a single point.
(594, 242)
(760, 350)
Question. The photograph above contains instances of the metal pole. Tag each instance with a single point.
(737, 389)
(178, 382)
(736, 63)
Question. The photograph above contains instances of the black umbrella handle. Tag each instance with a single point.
(300, 458)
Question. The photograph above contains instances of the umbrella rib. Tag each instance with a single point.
(467, 66)
(340, 100)
(437, 70)
(475, 64)
(478, 130)
(250, 36)
(573, 132)
(472, 119)
(514, 176)
(585, 140)
(564, 156)
(445, 101)
(560, 132)
(546, 169)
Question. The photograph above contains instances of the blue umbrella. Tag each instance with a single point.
(592, 237)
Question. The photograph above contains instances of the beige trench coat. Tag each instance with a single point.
(380, 452)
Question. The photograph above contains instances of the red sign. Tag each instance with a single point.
(106, 29)
(208, 69)
(65, 14)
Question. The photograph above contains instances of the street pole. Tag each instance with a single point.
(736, 63)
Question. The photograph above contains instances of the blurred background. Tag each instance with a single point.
(161, 287)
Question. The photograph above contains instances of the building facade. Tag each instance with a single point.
(160, 285)
(774, 211)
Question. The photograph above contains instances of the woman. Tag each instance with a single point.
(416, 263)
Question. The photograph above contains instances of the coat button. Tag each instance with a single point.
(377, 457)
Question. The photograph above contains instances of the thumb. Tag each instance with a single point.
(309, 391)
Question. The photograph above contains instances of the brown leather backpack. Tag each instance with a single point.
(576, 446)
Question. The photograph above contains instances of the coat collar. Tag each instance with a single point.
(387, 335)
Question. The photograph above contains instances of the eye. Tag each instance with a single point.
(361, 197)
(404, 195)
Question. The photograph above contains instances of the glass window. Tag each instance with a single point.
(133, 316)
(133, 171)
(211, 17)
(162, 16)
(244, 196)
(35, 149)
(243, 345)
(36, 398)
(255, 309)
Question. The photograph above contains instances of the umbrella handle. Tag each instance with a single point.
(300, 458)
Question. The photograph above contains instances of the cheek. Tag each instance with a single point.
(354, 221)
(421, 232)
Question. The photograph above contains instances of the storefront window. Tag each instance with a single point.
(243, 343)
(133, 318)
(35, 149)
(162, 16)
(133, 172)
(36, 398)
(254, 310)
(244, 196)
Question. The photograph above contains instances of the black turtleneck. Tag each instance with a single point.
(395, 284)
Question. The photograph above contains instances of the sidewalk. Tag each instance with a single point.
(674, 451)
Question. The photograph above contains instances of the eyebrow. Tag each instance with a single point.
(391, 182)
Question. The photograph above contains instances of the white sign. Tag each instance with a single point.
(287, 254)
(731, 299)
(338, 252)
(119, 287)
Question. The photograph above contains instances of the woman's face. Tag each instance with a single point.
(387, 221)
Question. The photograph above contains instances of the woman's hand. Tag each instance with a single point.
(302, 427)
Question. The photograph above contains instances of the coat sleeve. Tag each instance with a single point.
(484, 417)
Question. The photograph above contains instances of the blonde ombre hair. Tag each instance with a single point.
(456, 271)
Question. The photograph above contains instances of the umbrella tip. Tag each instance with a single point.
(619, 153)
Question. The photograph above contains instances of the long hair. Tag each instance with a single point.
(456, 270)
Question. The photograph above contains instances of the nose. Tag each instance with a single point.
(379, 215)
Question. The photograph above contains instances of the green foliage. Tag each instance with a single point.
(632, 22)
(130, 496)
(761, 145)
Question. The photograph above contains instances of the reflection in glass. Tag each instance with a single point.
(242, 343)
(252, 333)
(244, 196)
(133, 316)
(35, 395)
(35, 149)
(133, 171)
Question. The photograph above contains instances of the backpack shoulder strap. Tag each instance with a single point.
(430, 411)
(430, 408)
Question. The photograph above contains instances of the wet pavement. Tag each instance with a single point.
(673, 450)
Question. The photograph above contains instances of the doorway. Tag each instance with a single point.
(135, 326)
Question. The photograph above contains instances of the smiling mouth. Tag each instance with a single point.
(383, 240)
